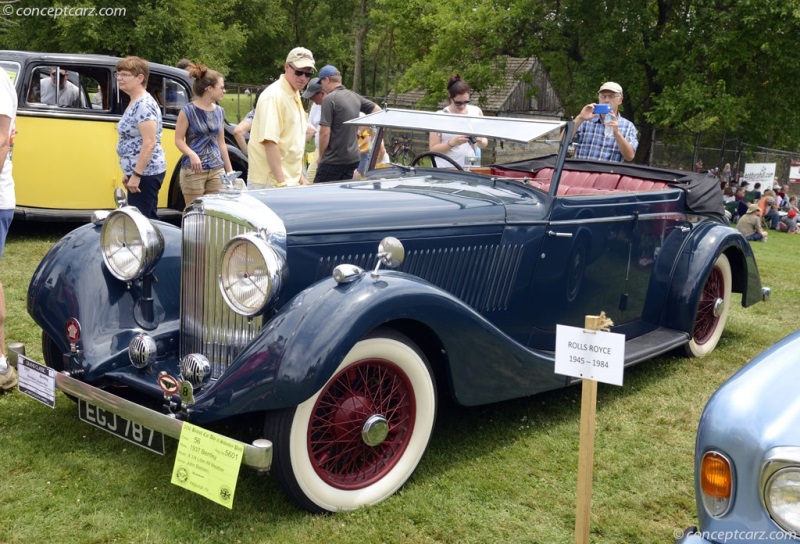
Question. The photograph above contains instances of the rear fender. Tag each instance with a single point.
(697, 256)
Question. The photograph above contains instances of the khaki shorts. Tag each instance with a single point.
(206, 182)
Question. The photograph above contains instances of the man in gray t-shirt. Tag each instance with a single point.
(338, 145)
(68, 93)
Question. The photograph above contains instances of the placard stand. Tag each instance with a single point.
(583, 508)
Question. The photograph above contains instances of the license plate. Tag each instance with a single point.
(121, 427)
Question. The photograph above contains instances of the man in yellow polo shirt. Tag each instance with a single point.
(278, 135)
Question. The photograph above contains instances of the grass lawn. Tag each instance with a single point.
(500, 473)
(236, 106)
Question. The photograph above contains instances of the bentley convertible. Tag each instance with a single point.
(340, 314)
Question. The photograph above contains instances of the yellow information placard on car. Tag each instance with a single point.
(208, 464)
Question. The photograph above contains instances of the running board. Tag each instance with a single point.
(656, 342)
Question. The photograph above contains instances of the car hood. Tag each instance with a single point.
(393, 203)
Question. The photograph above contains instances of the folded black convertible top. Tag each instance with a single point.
(703, 194)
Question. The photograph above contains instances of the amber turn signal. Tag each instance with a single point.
(715, 476)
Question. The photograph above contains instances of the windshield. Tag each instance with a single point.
(434, 139)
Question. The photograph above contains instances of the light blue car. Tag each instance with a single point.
(747, 456)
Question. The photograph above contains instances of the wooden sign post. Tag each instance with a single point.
(585, 461)
(592, 356)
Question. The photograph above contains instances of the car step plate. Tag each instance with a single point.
(121, 427)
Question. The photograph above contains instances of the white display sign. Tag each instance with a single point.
(37, 381)
(760, 172)
(590, 355)
(794, 173)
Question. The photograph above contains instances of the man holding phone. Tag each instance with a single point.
(591, 141)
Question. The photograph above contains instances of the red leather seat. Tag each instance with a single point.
(628, 183)
(606, 181)
(545, 175)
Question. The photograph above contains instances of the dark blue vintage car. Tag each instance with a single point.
(278, 303)
(747, 457)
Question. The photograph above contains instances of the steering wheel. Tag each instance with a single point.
(424, 154)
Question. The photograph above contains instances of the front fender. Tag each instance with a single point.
(706, 243)
(300, 348)
(73, 282)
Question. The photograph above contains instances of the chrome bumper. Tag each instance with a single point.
(257, 455)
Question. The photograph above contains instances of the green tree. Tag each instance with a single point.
(694, 65)
(158, 30)
(470, 38)
(697, 65)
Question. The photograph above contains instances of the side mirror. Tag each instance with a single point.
(391, 254)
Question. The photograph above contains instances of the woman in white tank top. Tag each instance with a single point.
(457, 146)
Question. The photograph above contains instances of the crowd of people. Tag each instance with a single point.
(279, 127)
(756, 212)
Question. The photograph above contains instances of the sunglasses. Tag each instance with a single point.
(301, 73)
(461, 104)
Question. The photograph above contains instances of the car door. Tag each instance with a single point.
(598, 254)
(65, 149)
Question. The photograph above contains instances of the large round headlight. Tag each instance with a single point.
(251, 274)
(130, 243)
(782, 496)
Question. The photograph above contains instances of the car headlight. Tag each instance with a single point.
(782, 497)
(251, 274)
(716, 483)
(130, 243)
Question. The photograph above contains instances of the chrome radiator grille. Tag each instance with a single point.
(208, 325)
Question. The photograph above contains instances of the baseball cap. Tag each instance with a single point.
(328, 70)
(300, 57)
(610, 86)
(313, 88)
(792, 214)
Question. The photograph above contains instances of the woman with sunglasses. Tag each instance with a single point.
(141, 156)
(462, 149)
(199, 135)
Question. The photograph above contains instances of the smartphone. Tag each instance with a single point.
(473, 140)
(602, 109)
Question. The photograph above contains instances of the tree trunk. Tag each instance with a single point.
(361, 38)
